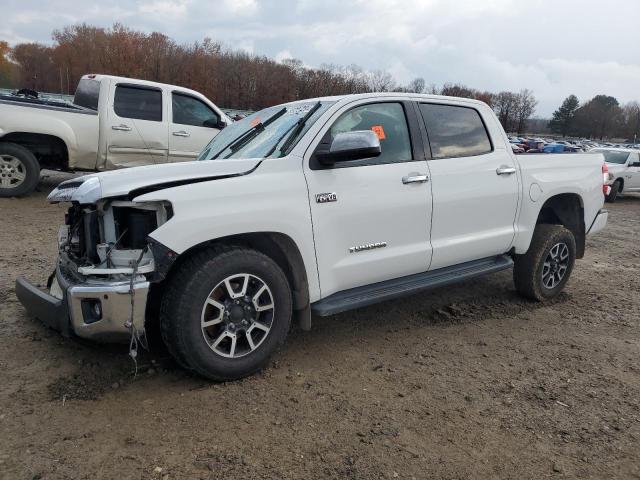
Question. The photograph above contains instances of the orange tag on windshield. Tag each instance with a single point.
(255, 122)
(379, 131)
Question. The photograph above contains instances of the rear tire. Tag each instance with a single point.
(613, 194)
(19, 170)
(225, 312)
(542, 272)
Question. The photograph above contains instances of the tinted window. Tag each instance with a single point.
(388, 121)
(191, 111)
(87, 94)
(139, 103)
(455, 131)
(611, 156)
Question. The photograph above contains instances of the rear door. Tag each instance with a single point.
(371, 217)
(193, 125)
(137, 127)
(474, 182)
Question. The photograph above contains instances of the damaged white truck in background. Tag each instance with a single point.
(113, 122)
(317, 206)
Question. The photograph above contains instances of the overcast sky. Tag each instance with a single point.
(553, 47)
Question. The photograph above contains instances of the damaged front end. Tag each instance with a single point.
(104, 269)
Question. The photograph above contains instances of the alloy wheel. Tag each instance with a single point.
(237, 315)
(12, 171)
(555, 265)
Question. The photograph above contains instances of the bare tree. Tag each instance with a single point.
(505, 106)
(416, 85)
(524, 108)
(380, 81)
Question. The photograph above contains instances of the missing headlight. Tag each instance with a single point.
(133, 226)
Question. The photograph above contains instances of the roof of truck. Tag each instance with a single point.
(423, 96)
(137, 81)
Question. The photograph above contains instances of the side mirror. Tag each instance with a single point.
(347, 146)
(636, 164)
(214, 122)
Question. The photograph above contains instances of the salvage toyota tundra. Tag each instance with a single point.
(316, 206)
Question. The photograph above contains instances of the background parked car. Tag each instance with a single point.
(113, 122)
(624, 170)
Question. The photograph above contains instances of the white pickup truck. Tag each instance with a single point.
(317, 206)
(114, 122)
(624, 170)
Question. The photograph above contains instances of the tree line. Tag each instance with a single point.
(601, 117)
(240, 80)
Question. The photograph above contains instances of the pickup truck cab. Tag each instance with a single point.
(316, 206)
(624, 170)
(114, 122)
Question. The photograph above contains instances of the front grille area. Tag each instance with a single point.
(84, 234)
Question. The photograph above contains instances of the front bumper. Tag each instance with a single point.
(599, 222)
(75, 312)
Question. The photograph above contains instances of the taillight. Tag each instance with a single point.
(606, 189)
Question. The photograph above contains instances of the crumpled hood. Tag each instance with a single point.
(116, 183)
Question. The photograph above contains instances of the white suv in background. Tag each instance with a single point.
(624, 170)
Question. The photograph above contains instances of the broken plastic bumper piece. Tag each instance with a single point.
(91, 308)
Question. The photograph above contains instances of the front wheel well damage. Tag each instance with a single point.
(277, 246)
(566, 209)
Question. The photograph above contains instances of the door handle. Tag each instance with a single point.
(505, 170)
(122, 127)
(415, 178)
(181, 133)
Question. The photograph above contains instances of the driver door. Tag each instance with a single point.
(192, 126)
(371, 222)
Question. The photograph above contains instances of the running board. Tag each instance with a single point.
(399, 287)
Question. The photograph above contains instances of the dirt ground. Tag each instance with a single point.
(463, 382)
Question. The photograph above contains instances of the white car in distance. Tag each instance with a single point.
(624, 170)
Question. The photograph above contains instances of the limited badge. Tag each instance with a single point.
(326, 197)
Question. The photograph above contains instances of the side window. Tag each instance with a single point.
(87, 93)
(139, 103)
(455, 131)
(188, 110)
(388, 121)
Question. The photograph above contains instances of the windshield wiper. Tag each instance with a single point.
(297, 128)
(241, 140)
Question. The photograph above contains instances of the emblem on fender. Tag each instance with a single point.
(326, 197)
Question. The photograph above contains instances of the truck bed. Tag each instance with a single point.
(43, 103)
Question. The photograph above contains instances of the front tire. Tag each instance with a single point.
(613, 194)
(225, 312)
(19, 170)
(542, 272)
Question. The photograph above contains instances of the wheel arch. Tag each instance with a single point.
(566, 209)
(278, 246)
(621, 180)
(50, 151)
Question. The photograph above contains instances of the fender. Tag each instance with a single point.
(273, 198)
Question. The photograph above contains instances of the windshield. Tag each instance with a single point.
(265, 133)
(611, 156)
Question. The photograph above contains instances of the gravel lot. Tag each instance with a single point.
(468, 381)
